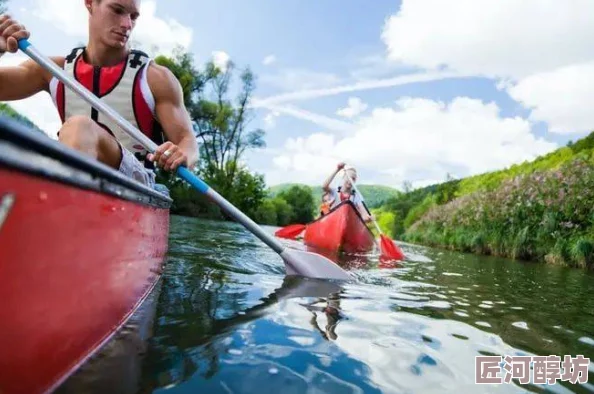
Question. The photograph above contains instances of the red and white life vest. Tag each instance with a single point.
(123, 87)
(345, 196)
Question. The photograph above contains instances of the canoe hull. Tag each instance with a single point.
(80, 250)
(341, 230)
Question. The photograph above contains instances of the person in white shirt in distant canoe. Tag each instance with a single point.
(346, 191)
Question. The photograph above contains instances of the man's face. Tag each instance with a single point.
(112, 21)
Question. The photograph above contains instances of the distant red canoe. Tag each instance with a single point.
(341, 230)
(81, 247)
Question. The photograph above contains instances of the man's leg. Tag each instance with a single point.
(84, 135)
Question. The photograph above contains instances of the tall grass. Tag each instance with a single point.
(546, 215)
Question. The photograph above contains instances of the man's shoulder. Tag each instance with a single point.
(161, 79)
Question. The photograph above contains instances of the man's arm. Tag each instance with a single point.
(326, 185)
(171, 112)
(25, 80)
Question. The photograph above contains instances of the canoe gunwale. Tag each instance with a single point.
(29, 151)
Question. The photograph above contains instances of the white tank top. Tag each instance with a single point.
(124, 87)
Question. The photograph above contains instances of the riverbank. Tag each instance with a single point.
(543, 216)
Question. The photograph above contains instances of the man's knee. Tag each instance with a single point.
(83, 134)
(79, 131)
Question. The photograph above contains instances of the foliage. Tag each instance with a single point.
(294, 205)
(419, 210)
(302, 202)
(402, 204)
(7, 110)
(266, 213)
(385, 220)
(284, 211)
(553, 160)
(524, 218)
(221, 126)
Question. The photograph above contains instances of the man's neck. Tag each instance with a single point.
(99, 55)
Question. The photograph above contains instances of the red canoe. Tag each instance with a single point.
(341, 230)
(81, 248)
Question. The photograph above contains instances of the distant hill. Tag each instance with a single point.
(375, 195)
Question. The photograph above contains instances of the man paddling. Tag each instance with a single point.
(346, 191)
(144, 93)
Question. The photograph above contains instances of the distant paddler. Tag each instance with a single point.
(345, 191)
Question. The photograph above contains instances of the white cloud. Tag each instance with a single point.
(152, 31)
(270, 119)
(491, 37)
(39, 108)
(355, 106)
(321, 120)
(375, 66)
(562, 97)
(221, 60)
(299, 79)
(419, 140)
(318, 92)
(268, 60)
(539, 51)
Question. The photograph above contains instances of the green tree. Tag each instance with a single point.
(266, 213)
(301, 200)
(247, 190)
(221, 125)
(284, 212)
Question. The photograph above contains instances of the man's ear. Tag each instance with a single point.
(89, 5)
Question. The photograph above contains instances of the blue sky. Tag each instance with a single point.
(503, 81)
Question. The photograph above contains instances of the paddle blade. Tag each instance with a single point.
(312, 265)
(290, 232)
(389, 249)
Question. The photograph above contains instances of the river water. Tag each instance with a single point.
(229, 321)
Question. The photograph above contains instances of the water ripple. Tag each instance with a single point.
(230, 321)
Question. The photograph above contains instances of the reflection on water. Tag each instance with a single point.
(228, 320)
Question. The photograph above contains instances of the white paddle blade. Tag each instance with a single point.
(312, 265)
